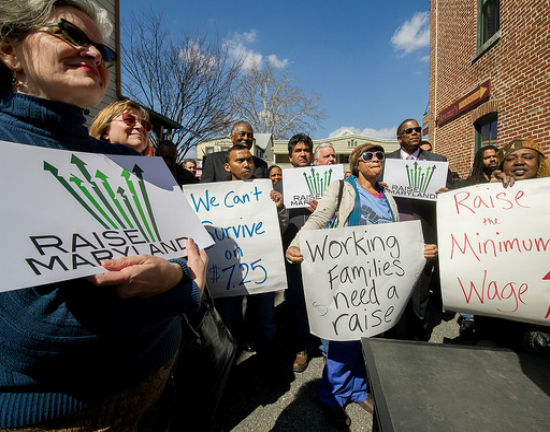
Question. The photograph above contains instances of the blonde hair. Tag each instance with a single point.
(100, 126)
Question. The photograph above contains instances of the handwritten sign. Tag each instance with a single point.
(357, 280)
(494, 250)
(64, 212)
(417, 179)
(241, 218)
(301, 185)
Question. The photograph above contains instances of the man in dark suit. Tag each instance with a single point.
(213, 164)
(414, 323)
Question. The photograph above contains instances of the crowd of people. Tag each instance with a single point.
(97, 353)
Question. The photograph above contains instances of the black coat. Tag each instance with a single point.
(213, 170)
(422, 209)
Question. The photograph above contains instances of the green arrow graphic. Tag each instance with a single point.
(409, 175)
(126, 175)
(308, 183)
(313, 181)
(122, 193)
(103, 177)
(139, 173)
(429, 179)
(425, 180)
(54, 171)
(329, 177)
(86, 192)
(419, 178)
(82, 168)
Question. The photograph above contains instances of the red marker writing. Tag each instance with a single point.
(547, 277)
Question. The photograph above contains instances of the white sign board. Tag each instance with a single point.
(301, 185)
(494, 250)
(241, 218)
(64, 212)
(417, 179)
(357, 280)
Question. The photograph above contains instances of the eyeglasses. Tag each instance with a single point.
(410, 130)
(367, 156)
(131, 121)
(78, 38)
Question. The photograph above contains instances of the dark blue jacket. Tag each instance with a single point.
(67, 345)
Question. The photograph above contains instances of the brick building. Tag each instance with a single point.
(489, 75)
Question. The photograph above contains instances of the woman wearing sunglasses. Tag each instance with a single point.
(85, 354)
(123, 122)
(363, 202)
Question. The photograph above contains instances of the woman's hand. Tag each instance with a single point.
(499, 176)
(145, 276)
(294, 255)
(277, 198)
(312, 205)
(197, 262)
(430, 251)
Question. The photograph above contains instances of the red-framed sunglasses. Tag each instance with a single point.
(131, 121)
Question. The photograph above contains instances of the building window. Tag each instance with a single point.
(486, 131)
(352, 143)
(488, 20)
(209, 150)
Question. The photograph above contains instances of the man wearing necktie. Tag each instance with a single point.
(414, 323)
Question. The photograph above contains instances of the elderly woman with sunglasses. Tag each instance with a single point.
(86, 354)
(123, 122)
(363, 202)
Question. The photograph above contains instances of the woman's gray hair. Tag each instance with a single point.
(19, 17)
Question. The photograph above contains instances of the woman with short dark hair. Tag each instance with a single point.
(362, 201)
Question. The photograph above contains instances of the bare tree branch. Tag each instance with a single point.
(267, 99)
(188, 81)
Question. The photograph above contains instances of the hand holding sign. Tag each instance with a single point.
(93, 208)
(145, 276)
(417, 179)
(357, 280)
(303, 186)
(241, 218)
(495, 250)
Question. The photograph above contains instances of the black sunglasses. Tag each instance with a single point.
(410, 130)
(78, 38)
(367, 156)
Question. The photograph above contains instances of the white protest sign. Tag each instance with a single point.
(64, 212)
(418, 179)
(241, 218)
(301, 185)
(494, 250)
(357, 280)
